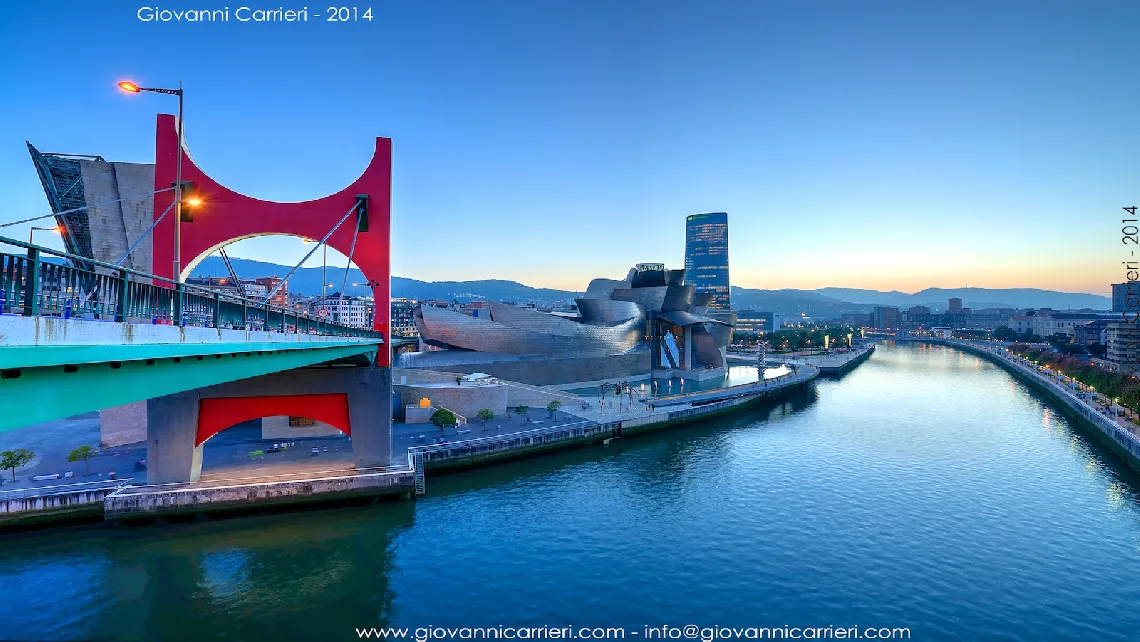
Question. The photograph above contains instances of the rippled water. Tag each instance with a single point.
(926, 489)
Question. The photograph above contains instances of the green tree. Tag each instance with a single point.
(443, 418)
(484, 416)
(13, 459)
(552, 407)
(83, 453)
(1005, 333)
(521, 411)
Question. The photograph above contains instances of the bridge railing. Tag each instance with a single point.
(48, 283)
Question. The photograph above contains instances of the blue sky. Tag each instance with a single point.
(888, 145)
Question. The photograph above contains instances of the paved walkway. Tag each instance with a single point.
(406, 435)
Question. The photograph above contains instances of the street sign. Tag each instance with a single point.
(323, 312)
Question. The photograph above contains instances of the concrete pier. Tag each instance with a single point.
(243, 494)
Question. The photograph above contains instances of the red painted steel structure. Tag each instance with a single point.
(215, 414)
(226, 216)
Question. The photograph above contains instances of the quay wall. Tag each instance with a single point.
(22, 507)
(151, 501)
(1120, 441)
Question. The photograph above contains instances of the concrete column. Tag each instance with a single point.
(172, 429)
(370, 413)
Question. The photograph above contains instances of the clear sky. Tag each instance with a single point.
(886, 145)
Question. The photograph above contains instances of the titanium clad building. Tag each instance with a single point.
(706, 256)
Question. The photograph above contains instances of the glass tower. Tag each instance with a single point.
(706, 256)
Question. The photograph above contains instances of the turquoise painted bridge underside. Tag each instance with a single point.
(38, 356)
(49, 392)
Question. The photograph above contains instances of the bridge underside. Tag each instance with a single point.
(31, 395)
(356, 399)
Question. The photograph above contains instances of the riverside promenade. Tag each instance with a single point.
(1093, 410)
(599, 424)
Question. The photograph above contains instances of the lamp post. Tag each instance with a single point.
(131, 87)
(32, 232)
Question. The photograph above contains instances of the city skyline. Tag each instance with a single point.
(855, 147)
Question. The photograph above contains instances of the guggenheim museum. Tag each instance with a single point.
(649, 324)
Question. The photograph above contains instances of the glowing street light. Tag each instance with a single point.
(132, 88)
(57, 229)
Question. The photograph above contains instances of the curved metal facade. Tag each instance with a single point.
(462, 331)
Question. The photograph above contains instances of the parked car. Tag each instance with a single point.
(316, 451)
(273, 449)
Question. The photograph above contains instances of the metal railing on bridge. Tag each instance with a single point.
(47, 283)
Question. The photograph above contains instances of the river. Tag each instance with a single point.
(926, 489)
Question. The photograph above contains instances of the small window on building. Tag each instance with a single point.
(300, 421)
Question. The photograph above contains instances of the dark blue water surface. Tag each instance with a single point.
(926, 489)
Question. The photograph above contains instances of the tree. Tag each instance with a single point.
(553, 406)
(13, 459)
(82, 453)
(521, 411)
(443, 418)
(484, 416)
(1005, 333)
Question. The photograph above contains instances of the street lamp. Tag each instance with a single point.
(132, 88)
(57, 229)
(324, 265)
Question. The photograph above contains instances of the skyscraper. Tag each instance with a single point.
(1122, 292)
(706, 256)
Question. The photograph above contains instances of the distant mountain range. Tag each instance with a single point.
(822, 302)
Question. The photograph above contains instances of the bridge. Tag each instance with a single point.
(88, 329)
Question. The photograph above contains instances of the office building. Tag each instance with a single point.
(348, 310)
(954, 306)
(1124, 345)
(281, 297)
(1121, 292)
(884, 316)
(403, 320)
(706, 256)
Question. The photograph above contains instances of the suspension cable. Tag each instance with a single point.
(77, 209)
(148, 231)
(347, 266)
(322, 242)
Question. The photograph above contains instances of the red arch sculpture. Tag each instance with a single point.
(215, 414)
(226, 216)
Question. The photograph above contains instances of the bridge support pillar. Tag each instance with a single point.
(370, 411)
(172, 454)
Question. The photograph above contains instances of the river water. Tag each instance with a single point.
(925, 489)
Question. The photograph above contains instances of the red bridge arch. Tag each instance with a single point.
(226, 216)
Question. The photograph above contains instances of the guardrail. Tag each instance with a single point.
(75, 286)
(494, 443)
(40, 491)
(802, 372)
